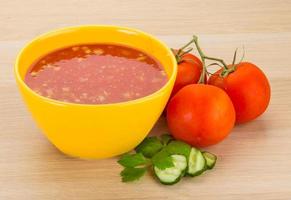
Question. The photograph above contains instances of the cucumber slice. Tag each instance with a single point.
(196, 163)
(210, 159)
(180, 162)
(172, 175)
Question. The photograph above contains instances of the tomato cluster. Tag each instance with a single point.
(203, 112)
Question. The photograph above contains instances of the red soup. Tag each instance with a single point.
(96, 74)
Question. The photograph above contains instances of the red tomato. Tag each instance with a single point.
(189, 71)
(200, 115)
(248, 88)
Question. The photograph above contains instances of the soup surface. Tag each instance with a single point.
(96, 74)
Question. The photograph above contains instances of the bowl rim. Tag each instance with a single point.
(68, 28)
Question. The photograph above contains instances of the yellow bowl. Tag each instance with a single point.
(95, 131)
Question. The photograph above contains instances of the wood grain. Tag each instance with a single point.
(254, 161)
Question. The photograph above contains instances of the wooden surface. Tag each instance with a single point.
(254, 162)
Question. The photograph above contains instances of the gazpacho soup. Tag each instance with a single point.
(96, 74)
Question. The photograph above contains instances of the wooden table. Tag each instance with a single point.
(254, 162)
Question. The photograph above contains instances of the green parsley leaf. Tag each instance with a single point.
(178, 147)
(149, 146)
(129, 174)
(162, 160)
(132, 160)
(166, 138)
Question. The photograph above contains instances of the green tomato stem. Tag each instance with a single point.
(218, 60)
(202, 56)
(184, 47)
(181, 51)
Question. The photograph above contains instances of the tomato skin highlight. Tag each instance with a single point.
(189, 71)
(248, 88)
(201, 115)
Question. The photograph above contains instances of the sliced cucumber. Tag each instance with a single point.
(196, 163)
(172, 175)
(180, 162)
(210, 159)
